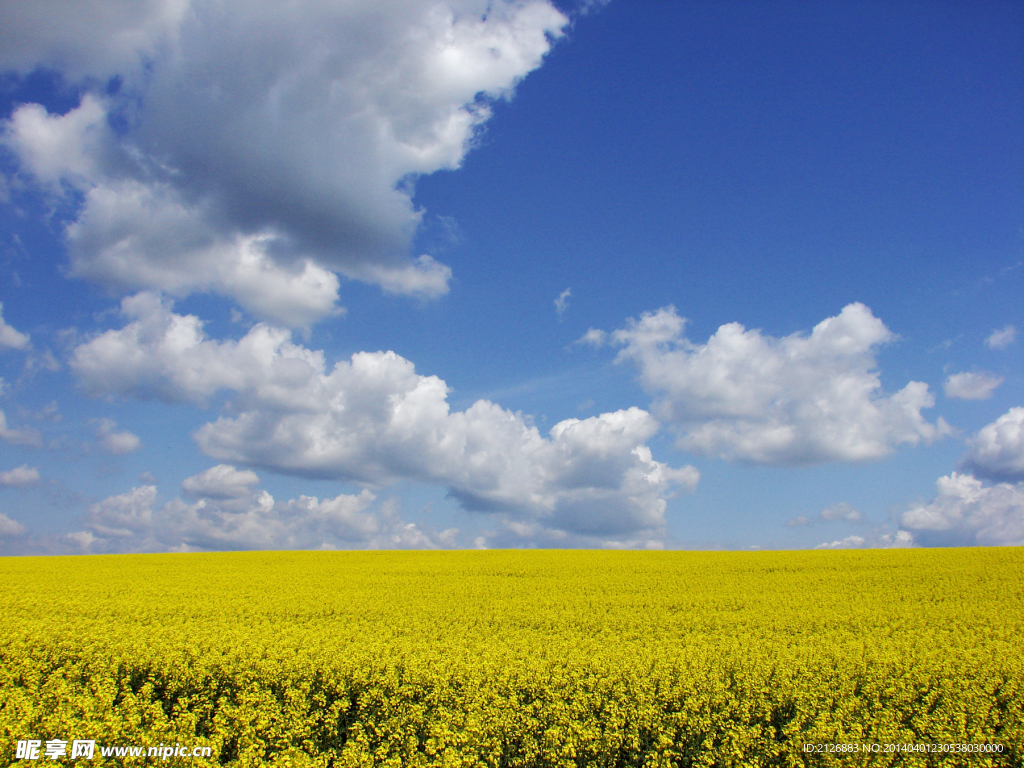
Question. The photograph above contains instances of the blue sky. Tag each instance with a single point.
(468, 274)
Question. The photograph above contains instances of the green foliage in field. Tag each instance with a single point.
(506, 658)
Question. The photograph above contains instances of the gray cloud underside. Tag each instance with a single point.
(997, 451)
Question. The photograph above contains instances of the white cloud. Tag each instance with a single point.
(248, 518)
(10, 338)
(86, 38)
(132, 235)
(594, 337)
(263, 148)
(562, 302)
(41, 361)
(966, 512)
(83, 540)
(842, 512)
(1001, 338)
(123, 516)
(49, 412)
(67, 148)
(26, 436)
(850, 542)
(517, 533)
(899, 540)
(9, 527)
(423, 277)
(112, 441)
(19, 477)
(972, 386)
(589, 6)
(800, 399)
(373, 419)
(166, 356)
(876, 539)
(997, 451)
(221, 482)
(448, 538)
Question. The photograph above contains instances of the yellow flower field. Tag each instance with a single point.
(521, 658)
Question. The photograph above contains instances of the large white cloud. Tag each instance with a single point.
(373, 419)
(997, 451)
(799, 399)
(261, 148)
(237, 515)
(966, 511)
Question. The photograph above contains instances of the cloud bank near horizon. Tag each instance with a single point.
(373, 420)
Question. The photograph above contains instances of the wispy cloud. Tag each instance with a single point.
(562, 302)
(9, 337)
(841, 512)
(1001, 338)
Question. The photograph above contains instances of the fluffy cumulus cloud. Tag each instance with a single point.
(259, 152)
(975, 385)
(372, 419)
(800, 399)
(967, 512)
(19, 477)
(997, 451)
(225, 511)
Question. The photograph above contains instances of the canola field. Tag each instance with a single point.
(519, 658)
